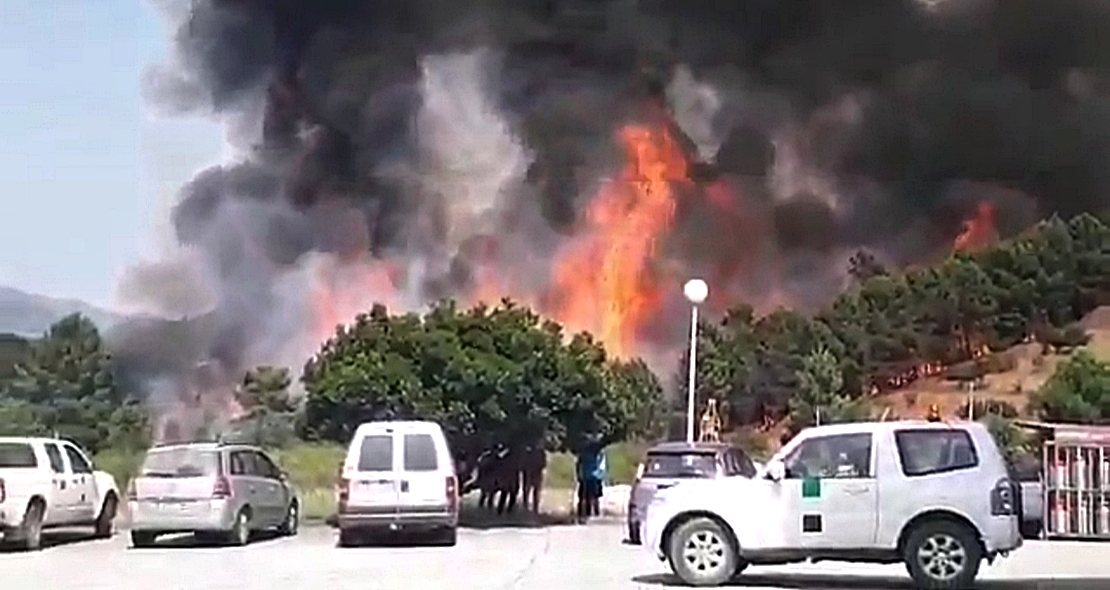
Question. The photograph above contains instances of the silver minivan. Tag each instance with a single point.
(398, 476)
(216, 491)
(671, 462)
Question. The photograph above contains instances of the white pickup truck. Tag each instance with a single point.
(48, 483)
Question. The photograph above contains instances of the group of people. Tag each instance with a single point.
(503, 475)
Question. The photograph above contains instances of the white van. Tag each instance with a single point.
(398, 476)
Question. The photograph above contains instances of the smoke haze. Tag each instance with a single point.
(406, 151)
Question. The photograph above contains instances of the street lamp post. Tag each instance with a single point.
(696, 291)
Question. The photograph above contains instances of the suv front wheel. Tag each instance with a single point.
(943, 555)
(702, 553)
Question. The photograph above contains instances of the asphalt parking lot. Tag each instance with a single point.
(573, 557)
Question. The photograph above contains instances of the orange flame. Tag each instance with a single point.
(339, 296)
(979, 232)
(604, 282)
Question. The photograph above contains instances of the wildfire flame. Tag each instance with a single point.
(979, 232)
(605, 282)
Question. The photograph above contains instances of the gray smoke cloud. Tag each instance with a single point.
(436, 139)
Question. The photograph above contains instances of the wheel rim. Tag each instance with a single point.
(704, 553)
(942, 557)
(291, 522)
(242, 529)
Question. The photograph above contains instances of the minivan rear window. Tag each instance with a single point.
(181, 462)
(680, 465)
(376, 453)
(17, 455)
(420, 453)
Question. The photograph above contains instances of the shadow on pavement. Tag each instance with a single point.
(473, 517)
(54, 538)
(848, 582)
(191, 541)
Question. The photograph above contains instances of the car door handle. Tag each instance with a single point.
(856, 490)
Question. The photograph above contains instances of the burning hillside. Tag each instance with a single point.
(586, 158)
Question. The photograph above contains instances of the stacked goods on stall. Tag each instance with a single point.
(1077, 490)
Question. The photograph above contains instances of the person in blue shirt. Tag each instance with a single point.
(591, 471)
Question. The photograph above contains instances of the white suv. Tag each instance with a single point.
(935, 496)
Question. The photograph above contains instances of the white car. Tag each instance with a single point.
(47, 483)
(398, 476)
(934, 496)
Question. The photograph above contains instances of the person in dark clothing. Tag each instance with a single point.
(591, 481)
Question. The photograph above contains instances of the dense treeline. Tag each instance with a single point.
(503, 376)
(1034, 286)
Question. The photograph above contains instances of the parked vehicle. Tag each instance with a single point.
(216, 491)
(47, 483)
(934, 496)
(398, 476)
(668, 463)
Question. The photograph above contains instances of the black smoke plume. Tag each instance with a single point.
(407, 130)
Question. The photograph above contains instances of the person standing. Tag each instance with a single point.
(597, 481)
(591, 476)
(582, 473)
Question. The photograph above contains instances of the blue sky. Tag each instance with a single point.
(85, 168)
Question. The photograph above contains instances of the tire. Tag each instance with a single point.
(143, 539)
(105, 523)
(943, 555)
(348, 538)
(701, 553)
(240, 533)
(30, 529)
(292, 520)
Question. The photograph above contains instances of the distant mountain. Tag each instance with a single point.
(28, 314)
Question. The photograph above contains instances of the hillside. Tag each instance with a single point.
(28, 314)
(1030, 370)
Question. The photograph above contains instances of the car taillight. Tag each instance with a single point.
(1002, 498)
(3, 492)
(452, 493)
(132, 493)
(222, 489)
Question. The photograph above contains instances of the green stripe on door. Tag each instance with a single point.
(811, 488)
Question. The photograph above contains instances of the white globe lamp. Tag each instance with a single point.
(696, 292)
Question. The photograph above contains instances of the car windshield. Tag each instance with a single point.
(182, 462)
(17, 455)
(680, 465)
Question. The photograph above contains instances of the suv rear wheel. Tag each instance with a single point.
(701, 553)
(943, 555)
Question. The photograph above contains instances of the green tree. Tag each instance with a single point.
(269, 412)
(66, 385)
(488, 375)
(1078, 391)
(818, 399)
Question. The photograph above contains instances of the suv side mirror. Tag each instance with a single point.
(776, 470)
